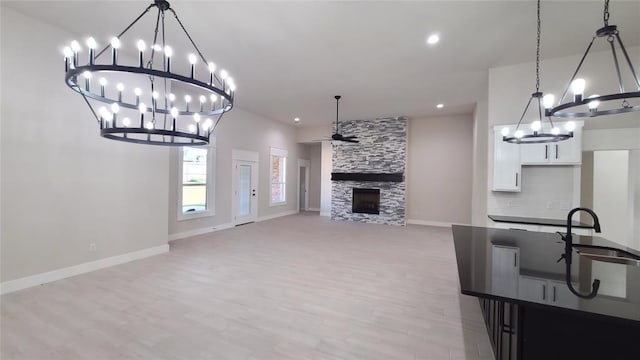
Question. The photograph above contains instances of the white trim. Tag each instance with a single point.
(50, 276)
(431, 223)
(245, 155)
(274, 216)
(313, 209)
(278, 152)
(196, 232)
(210, 186)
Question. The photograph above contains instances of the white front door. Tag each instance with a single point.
(245, 192)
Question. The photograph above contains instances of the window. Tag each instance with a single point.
(278, 176)
(195, 193)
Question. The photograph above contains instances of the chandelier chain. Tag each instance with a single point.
(606, 13)
(538, 52)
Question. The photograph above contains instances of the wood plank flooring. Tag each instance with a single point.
(298, 287)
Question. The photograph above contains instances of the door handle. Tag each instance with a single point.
(253, 192)
(546, 152)
(554, 293)
(556, 151)
(544, 292)
(516, 179)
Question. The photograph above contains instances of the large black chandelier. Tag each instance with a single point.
(594, 105)
(147, 102)
(538, 132)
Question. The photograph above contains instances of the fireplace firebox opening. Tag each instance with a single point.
(366, 201)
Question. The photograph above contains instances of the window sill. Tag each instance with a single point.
(195, 215)
(282, 203)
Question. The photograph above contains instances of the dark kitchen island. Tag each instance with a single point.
(528, 308)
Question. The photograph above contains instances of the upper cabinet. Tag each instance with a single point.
(567, 152)
(506, 164)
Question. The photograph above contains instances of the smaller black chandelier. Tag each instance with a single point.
(582, 106)
(146, 91)
(538, 135)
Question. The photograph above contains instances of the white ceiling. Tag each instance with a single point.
(290, 58)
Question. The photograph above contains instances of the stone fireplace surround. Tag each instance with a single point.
(377, 162)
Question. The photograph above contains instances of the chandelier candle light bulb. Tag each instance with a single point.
(103, 83)
(115, 45)
(193, 60)
(577, 87)
(212, 69)
(202, 99)
(168, 52)
(141, 48)
(548, 101)
(593, 105)
(92, 45)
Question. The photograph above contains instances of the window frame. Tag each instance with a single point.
(281, 153)
(210, 184)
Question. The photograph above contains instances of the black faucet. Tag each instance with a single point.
(568, 248)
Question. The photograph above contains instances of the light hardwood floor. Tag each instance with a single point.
(298, 287)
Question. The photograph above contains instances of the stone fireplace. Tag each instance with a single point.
(371, 171)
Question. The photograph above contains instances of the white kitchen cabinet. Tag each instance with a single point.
(567, 152)
(546, 291)
(533, 289)
(561, 295)
(506, 164)
(505, 270)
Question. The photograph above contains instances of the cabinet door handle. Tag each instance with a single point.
(556, 151)
(554, 294)
(544, 292)
(516, 179)
(515, 260)
(546, 152)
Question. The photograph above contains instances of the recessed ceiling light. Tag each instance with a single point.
(433, 39)
(440, 106)
(296, 119)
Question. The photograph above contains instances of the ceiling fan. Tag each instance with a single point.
(337, 136)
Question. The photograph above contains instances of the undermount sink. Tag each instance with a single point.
(607, 255)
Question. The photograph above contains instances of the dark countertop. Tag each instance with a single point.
(619, 295)
(537, 221)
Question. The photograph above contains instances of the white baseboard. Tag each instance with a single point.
(431, 223)
(50, 276)
(314, 209)
(274, 216)
(196, 232)
(327, 214)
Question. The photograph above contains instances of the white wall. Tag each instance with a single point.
(439, 169)
(63, 186)
(241, 130)
(315, 152)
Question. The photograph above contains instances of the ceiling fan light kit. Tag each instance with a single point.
(143, 91)
(591, 106)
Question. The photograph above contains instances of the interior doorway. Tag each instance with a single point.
(303, 184)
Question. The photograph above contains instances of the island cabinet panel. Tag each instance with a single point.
(554, 335)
